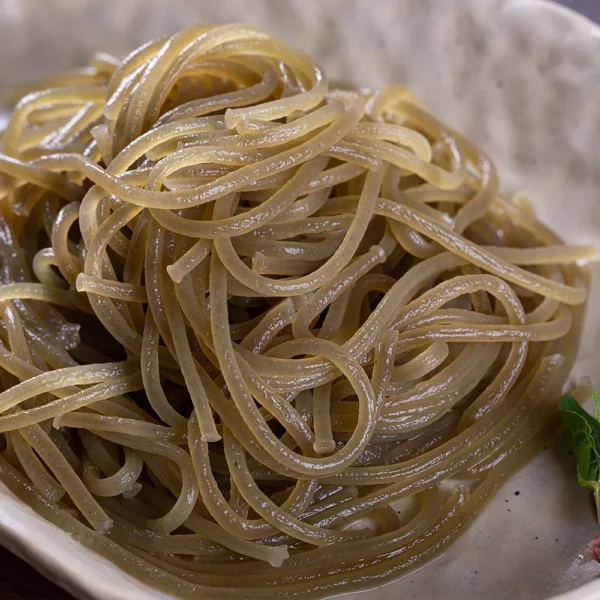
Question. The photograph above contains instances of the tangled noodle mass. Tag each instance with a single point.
(245, 315)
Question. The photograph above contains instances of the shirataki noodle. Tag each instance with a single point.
(243, 314)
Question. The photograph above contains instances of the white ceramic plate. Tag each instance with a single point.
(522, 78)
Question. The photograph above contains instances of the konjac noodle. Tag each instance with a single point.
(246, 315)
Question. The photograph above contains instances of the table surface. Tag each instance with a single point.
(19, 581)
(591, 8)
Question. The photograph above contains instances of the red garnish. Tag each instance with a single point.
(594, 548)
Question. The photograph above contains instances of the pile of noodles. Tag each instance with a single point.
(245, 316)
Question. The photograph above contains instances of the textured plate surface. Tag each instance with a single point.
(520, 77)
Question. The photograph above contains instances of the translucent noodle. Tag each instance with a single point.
(243, 313)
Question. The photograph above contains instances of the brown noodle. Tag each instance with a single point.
(243, 314)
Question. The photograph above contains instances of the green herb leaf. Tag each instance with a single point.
(585, 431)
(596, 398)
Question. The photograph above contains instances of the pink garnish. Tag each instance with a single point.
(594, 548)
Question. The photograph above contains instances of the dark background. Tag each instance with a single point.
(18, 581)
(590, 8)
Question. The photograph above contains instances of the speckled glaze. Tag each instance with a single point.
(521, 78)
